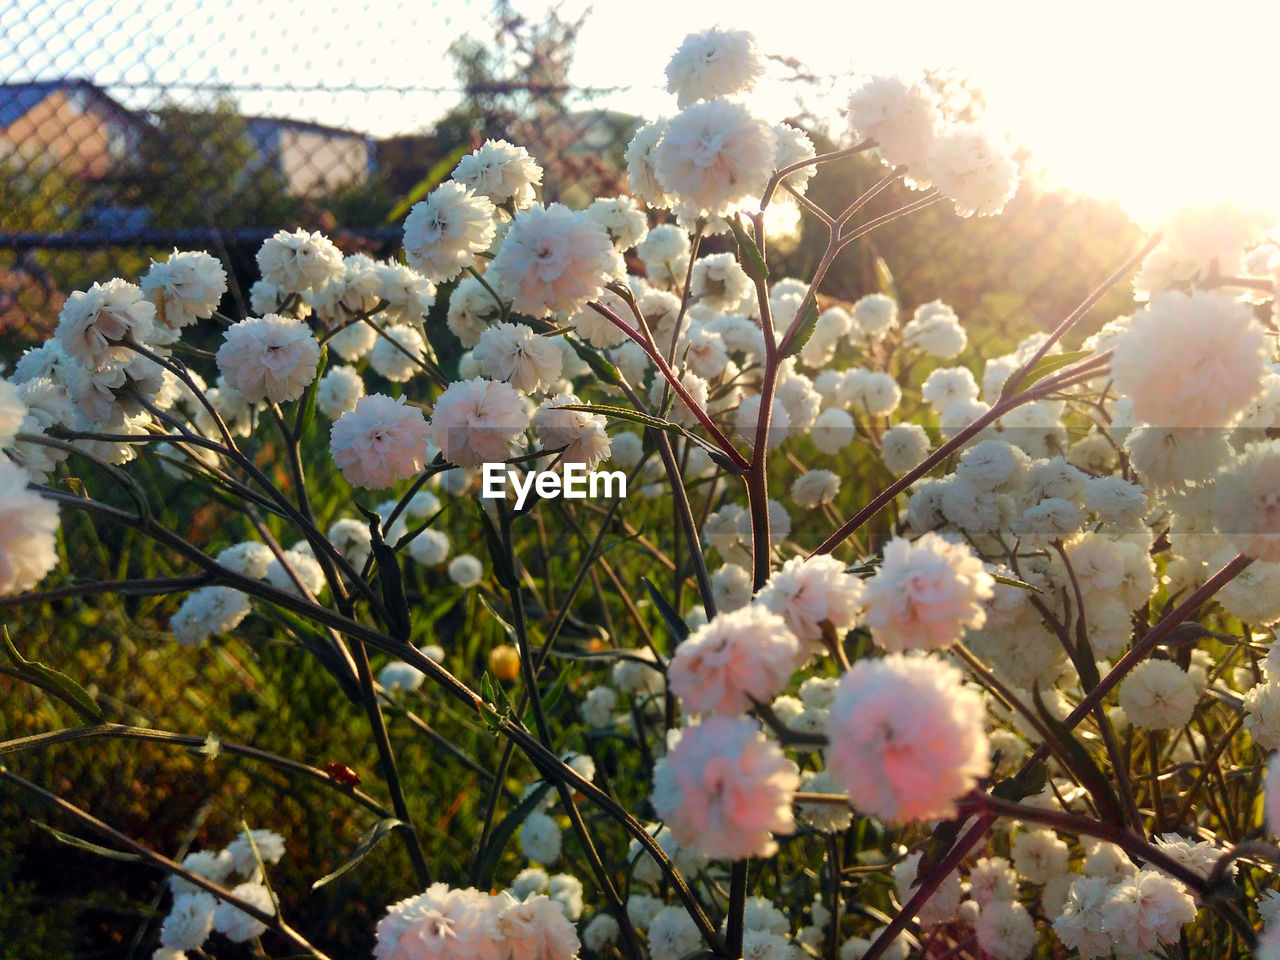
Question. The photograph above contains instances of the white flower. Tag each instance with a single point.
(430, 548)
(1246, 501)
(901, 118)
(810, 593)
(582, 434)
(536, 929)
(28, 531)
(747, 419)
(93, 323)
(970, 169)
(529, 881)
(398, 352)
(1039, 855)
(303, 565)
(935, 331)
(212, 865)
(513, 353)
(185, 288)
(713, 155)
(598, 706)
(269, 358)
(465, 570)
(236, 925)
(353, 341)
(871, 392)
(554, 259)
(540, 838)
(409, 295)
(834, 430)
(1145, 911)
(1192, 360)
(719, 282)
(622, 219)
(942, 903)
(794, 145)
(206, 612)
(444, 232)
(874, 316)
(472, 307)
(946, 385)
(906, 738)
(338, 391)
(1080, 926)
(500, 171)
(826, 817)
(1158, 695)
(672, 934)
(640, 156)
(903, 446)
(713, 63)
(1115, 501)
(299, 261)
(992, 879)
(269, 846)
(477, 421)
(665, 254)
(1262, 715)
(813, 489)
(566, 892)
(249, 558)
(602, 931)
(1006, 930)
(442, 923)
(189, 922)
(352, 292)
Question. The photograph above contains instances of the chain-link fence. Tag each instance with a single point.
(193, 124)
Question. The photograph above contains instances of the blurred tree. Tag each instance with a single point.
(198, 167)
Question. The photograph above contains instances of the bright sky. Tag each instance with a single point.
(1153, 103)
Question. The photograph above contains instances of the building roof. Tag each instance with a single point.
(19, 99)
(305, 125)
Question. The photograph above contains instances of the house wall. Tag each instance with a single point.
(69, 131)
(315, 162)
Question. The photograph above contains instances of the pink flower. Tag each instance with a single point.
(714, 154)
(379, 442)
(476, 421)
(746, 654)
(554, 259)
(808, 593)
(269, 358)
(906, 738)
(724, 788)
(926, 594)
(536, 929)
(1191, 360)
(441, 924)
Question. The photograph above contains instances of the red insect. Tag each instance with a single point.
(341, 773)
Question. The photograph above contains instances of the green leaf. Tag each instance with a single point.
(675, 623)
(1081, 762)
(428, 183)
(504, 831)
(390, 578)
(749, 254)
(884, 278)
(1025, 784)
(624, 413)
(502, 569)
(88, 847)
(368, 840)
(601, 367)
(1011, 582)
(807, 326)
(52, 682)
(1050, 363)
